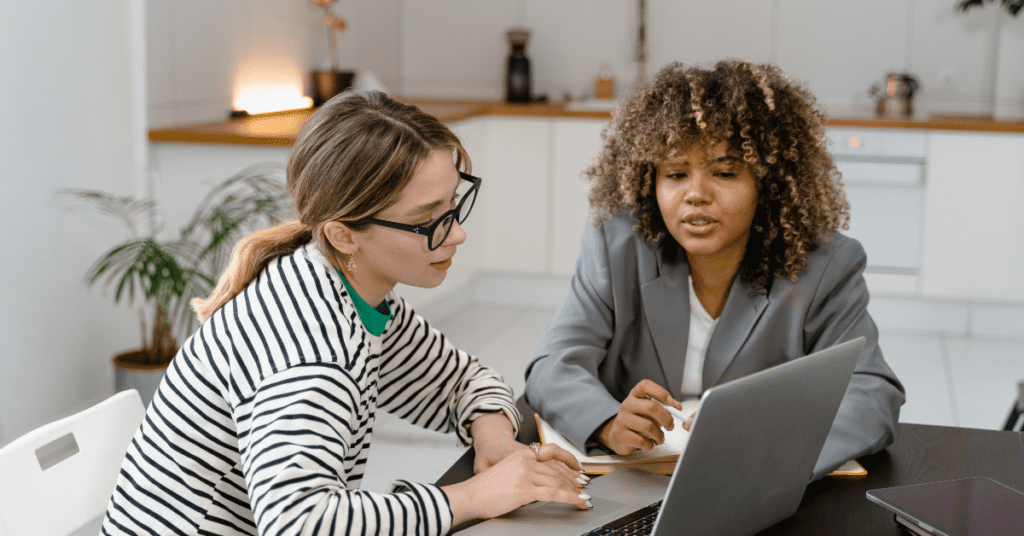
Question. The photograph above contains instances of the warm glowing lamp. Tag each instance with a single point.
(266, 98)
(269, 88)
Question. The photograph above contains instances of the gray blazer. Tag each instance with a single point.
(626, 318)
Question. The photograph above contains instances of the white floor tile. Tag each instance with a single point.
(918, 363)
(997, 321)
(915, 316)
(985, 376)
(513, 348)
(412, 461)
(476, 325)
(401, 450)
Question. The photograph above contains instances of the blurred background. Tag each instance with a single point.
(82, 85)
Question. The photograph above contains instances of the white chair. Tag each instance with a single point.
(58, 478)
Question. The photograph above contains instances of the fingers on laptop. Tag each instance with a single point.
(579, 499)
(551, 452)
(559, 478)
(560, 460)
(547, 476)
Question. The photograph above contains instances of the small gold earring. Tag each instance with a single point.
(351, 265)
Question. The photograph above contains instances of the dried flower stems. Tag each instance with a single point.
(333, 24)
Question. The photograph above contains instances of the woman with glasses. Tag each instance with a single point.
(716, 254)
(262, 424)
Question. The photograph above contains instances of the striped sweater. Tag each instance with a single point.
(262, 423)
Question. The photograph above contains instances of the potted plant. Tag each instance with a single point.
(327, 84)
(160, 277)
(1012, 6)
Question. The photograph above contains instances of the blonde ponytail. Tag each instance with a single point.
(249, 258)
(351, 159)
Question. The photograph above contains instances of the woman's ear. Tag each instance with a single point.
(341, 237)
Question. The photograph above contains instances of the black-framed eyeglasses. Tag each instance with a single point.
(437, 232)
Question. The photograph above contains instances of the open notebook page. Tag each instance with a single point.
(669, 450)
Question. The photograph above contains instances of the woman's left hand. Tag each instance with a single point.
(493, 440)
(492, 451)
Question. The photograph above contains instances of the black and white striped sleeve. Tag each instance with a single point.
(425, 380)
(296, 437)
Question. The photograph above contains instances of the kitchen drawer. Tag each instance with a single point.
(864, 173)
(888, 223)
(874, 143)
(883, 176)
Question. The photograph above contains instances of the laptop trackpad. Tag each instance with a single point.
(551, 513)
(613, 496)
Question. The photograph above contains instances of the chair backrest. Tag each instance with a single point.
(57, 478)
(1015, 422)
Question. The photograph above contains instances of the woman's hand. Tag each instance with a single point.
(493, 440)
(689, 422)
(640, 420)
(551, 474)
(490, 450)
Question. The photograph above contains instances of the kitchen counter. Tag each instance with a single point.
(281, 128)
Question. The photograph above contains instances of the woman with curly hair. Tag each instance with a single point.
(715, 254)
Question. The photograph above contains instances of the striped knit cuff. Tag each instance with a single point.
(432, 506)
(492, 406)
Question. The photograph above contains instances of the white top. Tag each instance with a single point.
(264, 419)
(702, 326)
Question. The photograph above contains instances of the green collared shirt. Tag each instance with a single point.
(374, 318)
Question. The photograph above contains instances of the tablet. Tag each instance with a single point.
(965, 507)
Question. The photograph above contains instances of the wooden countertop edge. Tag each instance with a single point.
(976, 124)
(451, 111)
(183, 135)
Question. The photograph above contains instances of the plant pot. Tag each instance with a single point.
(130, 372)
(327, 84)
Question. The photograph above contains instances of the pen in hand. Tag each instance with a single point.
(686, 420)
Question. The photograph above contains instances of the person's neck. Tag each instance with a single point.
(370, 288)
(712, 279)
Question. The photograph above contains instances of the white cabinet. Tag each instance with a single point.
(514, 164)
(533, 204)
(576, 143)
(973, 248)
(883, 173)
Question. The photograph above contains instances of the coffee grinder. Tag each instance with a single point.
(517, 79)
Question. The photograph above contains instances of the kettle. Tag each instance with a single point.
(895, 100)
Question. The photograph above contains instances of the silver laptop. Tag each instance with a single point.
(750, 456)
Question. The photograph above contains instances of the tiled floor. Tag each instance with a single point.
(950, 381)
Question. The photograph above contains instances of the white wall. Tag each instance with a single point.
(200, 53)
(68, 81)
(457, 48)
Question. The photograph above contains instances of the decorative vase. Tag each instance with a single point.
(130, 372)
(327, 84)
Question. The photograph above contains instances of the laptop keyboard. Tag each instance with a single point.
(638, 523)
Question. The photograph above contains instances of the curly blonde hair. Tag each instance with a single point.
(771, 120)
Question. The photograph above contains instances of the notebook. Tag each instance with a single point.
(750, 455)
(964, 507)
(660, 459)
